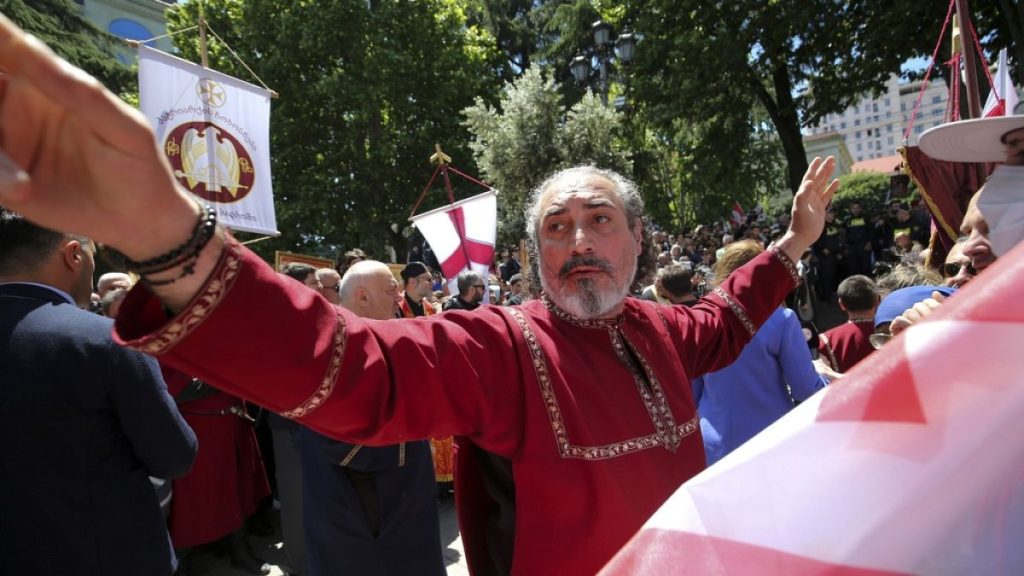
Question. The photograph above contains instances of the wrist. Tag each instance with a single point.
(792, 245)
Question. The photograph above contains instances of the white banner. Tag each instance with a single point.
(215, 132)
(462, 235)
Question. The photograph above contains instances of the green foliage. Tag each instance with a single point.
(868, 188)
(60, 24)
(530, 134)
(367, 89)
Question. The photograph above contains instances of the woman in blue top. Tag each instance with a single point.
(773, 372)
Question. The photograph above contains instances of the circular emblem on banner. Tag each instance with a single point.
(210, 162)
(211, 92)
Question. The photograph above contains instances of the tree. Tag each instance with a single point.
(60, 25)
(797, 59)
(531, 134)
(367, 89)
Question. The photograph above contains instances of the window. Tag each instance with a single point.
(888, 128)
(857, 134)
(936, 99)
(856, 122)
(890, 141)
(903, 106)
(874, 107)
(859, 147)
(876, 119)
(869, 131)
(918, 129)
(842, 125)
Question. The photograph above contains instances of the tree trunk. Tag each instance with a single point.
(782, 111)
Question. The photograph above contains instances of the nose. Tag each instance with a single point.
(581, 241)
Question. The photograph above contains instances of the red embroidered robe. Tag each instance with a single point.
(597, 418)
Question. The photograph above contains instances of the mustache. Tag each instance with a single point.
(584, 262)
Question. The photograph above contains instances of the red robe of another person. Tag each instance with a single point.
(596, 418)
(227, 481)
(847, 344)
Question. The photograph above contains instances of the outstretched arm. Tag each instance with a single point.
(81, 161)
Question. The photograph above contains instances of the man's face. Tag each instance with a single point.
(1014, 142)
(977, 248)
(957, 269)
(476, 292)
(588, 249)
(311, 281)
(855, 209)
(329, 288)
(382, 296)
(424, 285)
(902, 215)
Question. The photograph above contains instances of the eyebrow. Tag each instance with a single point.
(594, 204)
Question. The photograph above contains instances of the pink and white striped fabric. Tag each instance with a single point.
(913, 464)
(462, 235)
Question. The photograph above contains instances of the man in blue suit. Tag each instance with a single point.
(84, 422)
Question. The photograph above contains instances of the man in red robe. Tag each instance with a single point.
(579, 401)
(847, 344)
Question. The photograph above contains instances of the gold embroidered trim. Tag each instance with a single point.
(737, 310)
(209, 297)
(667, 438)
(582, 323)
(652, 394)
(327, 384)
(786, 261)
(348, 457)
(832, 360)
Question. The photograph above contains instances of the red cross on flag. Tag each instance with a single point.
(1003, 97)
(912, 464)
(462, 235)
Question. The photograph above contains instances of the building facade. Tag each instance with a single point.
(131, 20)
(874, 127)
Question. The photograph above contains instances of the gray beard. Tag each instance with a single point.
(589, 302)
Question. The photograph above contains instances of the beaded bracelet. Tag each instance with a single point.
(186, 254)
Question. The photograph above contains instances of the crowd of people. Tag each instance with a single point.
(567, 409)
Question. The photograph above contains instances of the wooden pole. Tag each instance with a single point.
(204, 57)
(970, 62)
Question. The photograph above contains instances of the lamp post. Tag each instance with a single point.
(604, 50)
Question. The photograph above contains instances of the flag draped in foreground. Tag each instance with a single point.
(462, 235)
(215, 132)
(1003, 97)
(913, 464)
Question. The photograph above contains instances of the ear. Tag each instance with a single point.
(71, 254)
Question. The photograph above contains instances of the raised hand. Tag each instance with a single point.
(809, 206)
(80, 160)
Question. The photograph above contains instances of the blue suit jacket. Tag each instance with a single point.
(84, 423)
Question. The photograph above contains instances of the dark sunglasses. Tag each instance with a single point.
(336, 288)
(951, 269)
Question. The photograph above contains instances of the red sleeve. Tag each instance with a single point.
(713, 332)
(266, 338)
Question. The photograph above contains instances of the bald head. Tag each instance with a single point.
(113, 281)
(370, 290)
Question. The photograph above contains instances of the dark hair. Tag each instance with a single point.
(297, 270)
(676, 279)
(858, 293)
(24, 245)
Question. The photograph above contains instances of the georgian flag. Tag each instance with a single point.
(462, 235)
(912, 464)
(738, 215)
(1003, 97)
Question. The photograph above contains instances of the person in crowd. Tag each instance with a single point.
(896, 303)
(418, 287)
(858, 241)
(349, 258)
(844, 346)
(903, 248)
(370, 510)
(330, 281)
(509, 266)
(772, 374)
(113, 281)
(471, 292)
(904, 276)
(86, 422)
(672, 285)
(582, 387)
(110, 304)
(726, 240)
(828, 252)
(957, 269)
(515, 295)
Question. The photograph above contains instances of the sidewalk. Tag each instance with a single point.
(268, 550)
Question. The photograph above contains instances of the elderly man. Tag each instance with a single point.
(330, 284)
(113, 281)
(579, 400)
(369, 510)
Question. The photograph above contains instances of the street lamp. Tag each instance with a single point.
(604, 50)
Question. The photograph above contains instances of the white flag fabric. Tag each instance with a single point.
(215, 131)
(462, 235)
(912, 464)
(1003, 97)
